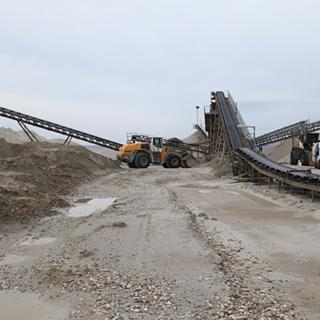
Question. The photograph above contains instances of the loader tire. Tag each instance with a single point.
(165, 165)
(142, 161)
(131, 165)
(184, 164)
(173, 161)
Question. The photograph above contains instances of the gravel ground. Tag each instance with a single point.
(151, 255)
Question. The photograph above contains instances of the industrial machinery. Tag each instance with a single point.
(306, 150)
(141, 151)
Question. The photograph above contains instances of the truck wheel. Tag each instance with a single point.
(173, 161)
(165, 165)
(305, 158)
(142, 161)
(131, 165)
(294, 157)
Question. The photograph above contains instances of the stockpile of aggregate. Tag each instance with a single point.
(36, 177)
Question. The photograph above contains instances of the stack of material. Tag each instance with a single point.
(279, 151)
(13, 136)
(35, 177)
(195, 138)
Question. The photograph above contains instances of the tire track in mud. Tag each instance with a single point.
(245, 296)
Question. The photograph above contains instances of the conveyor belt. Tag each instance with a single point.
(268, 167)
(287, 132)
(47, 125)
(281, 134)
(230, 125)
(72, 133)
(277, 168)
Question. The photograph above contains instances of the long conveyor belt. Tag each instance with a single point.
(287, 132)
(229, 123)
(266, 166)
(69, 132)
(72, 133)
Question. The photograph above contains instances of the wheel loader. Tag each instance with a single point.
(141, 151)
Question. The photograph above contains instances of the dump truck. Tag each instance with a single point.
(141, 151)
(306, 150)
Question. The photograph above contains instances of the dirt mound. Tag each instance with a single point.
(195, 138)
(35, 177)
(13, 136)
(220, 168)
(280, 151)
(112, 154)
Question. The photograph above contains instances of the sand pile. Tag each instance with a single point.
(112, 154)
(13, 136)
(35, 177)
(220, 168)
(279, 151)
(195, 138)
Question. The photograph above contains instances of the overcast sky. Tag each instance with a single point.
(114, 66)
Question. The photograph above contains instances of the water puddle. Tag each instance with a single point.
(83, 200)
(86, 209)
(233, 192)
(38, 242)
(204, 191)
(12, 259)
(15, 305)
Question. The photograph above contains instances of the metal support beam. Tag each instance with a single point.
(68, 140)
(28, 132)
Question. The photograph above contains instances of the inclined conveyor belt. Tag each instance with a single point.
(72, 133)
(69, 132)
(229, 123)
(277, 168)
(254, 157)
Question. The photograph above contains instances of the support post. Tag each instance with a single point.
(68, 140)
(270, 182)
(28, 132)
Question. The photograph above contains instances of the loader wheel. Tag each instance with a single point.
(184, 164)
(165, 165)
(131, 165)
(142, 161)
(173, 161)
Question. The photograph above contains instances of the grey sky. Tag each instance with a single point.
(109, 66)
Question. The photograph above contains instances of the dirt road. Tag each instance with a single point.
(164, 244)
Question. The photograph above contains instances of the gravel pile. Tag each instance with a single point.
(35, 177)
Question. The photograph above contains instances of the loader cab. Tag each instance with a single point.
(156, 146)
(157, 143)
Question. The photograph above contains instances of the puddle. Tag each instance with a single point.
(83, 200)
(38, 242)
(90, 207)
(204, 191)
(12, 259)
(233, 192)
(15, 305)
